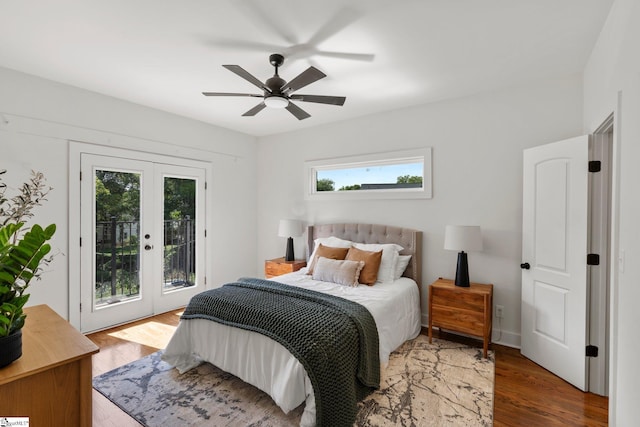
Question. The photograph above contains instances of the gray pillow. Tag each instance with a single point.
(342, 272)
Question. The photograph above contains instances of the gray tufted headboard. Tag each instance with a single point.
(409, 239)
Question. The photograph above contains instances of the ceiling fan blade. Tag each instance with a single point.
(255, 110)
(266, 18)
(337, 23)
(297, 111)
(245, 45)
(367, 57)
(247, 76)
(231, 94)
(320, 99)
(303, 79)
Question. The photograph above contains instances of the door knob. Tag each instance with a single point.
(147, 247)
(147, 236)
(525, 266)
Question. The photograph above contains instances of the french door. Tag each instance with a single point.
(142, 238)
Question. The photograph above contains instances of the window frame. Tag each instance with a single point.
(373, 159)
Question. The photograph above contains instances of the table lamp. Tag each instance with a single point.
(461, 238)
(289, 228)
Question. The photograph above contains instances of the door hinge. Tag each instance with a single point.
(595, 166)
(205, 185)
(205, 280)
(592, 351)
(80, 175)
(80, 307)
(81, 241)
(593, 259)
(205, 233)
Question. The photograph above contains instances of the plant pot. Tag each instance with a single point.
(10, 348)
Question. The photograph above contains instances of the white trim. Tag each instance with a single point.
(68, 132)
(599, 243)
(419, 154)
(615, 254)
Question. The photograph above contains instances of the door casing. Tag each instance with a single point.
(76, 148)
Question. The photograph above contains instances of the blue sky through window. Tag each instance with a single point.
(379, 174)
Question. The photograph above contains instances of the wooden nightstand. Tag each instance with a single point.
(278, 266)
(464, 310)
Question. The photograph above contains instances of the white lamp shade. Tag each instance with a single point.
(289, 228)
(463, 238)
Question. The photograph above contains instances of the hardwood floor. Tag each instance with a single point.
(121, 345)
(525, 393)
(528, 395)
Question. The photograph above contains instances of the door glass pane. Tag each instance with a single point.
(117, 276)
(179, 233)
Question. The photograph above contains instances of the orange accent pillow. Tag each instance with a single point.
(327, 252)
(369, 273)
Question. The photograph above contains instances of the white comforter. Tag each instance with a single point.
(266, 364)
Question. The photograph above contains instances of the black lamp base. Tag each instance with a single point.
(462, 271)
(289, 254)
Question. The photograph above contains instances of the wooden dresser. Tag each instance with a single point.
(464, 310)
(278, 266)
(51, 382)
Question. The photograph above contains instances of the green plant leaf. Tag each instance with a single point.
(22, 250)
(5, 277)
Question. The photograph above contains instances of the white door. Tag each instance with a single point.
(116, 212)
(179, 261)
(554, 251)
(142, 238)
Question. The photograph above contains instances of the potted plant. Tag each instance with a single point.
(22, 252)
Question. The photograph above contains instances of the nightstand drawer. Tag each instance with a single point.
(278, 266)
(277, 269)
(461, 300)
(467, 322)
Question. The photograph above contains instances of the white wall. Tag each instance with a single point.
(612, 85)
(38, 117)
(477, 177)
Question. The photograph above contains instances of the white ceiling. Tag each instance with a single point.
(164, 53)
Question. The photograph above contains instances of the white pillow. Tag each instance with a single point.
(342, 272)
(401, 266)
(388, 261)
(331, 241)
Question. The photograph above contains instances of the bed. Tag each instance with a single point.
(394, 305)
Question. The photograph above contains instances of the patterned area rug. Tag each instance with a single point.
(438, 384)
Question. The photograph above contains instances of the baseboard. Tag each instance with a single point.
(506, 338)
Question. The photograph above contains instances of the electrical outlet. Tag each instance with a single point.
(499, 311)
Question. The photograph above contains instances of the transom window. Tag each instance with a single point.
(393, 175)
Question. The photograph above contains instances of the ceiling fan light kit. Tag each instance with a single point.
(275, 101)
(278, 93)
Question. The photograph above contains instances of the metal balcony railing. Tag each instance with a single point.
(118, 249)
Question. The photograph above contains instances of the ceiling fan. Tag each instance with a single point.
(277, 93)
